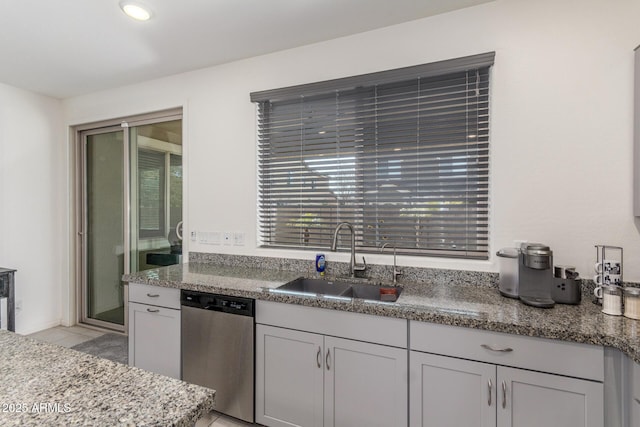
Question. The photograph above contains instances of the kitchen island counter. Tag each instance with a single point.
(45, 384)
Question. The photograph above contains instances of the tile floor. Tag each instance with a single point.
(215, 419)
(66, 336)
(74, 335)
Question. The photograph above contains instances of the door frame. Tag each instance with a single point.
(80, 132)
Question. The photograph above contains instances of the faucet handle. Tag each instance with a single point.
(362, 267)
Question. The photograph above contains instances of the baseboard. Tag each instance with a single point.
(30, 329)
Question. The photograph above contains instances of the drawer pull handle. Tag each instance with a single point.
(318, 357)
(501, 350)
(490, 389)
(327, 359)
(504, 394)
(153, 295)
(153, 310)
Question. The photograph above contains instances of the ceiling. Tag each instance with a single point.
(65, 48)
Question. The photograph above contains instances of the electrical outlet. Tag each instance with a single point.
(194, 236)
(518, 243)
(19, 305)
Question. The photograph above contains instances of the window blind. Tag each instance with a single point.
(405, 160)
(175, 189)
(151, 193)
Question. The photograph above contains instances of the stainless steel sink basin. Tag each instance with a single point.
(314, 287)
(321, 287)
(372, 292)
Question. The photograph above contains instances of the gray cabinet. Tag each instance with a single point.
(289, 385)
(633, 400)
(154, 329)
(447, 390)
(310, 378)
(636, 136)
(364, 384)
(533, 399)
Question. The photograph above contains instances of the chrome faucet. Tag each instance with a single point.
(395, 272)
(353, 267)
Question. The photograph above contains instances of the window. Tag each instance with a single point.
(403, 155)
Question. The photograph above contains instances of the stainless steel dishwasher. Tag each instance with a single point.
(218, 348)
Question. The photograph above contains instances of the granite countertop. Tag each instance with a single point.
(45, 384)
(449, 303)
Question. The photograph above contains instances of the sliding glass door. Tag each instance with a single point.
(130, 210)
(104, 156)
(156, 194)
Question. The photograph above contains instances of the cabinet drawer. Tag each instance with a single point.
(539, 354)
(154, 295)
(356, 326)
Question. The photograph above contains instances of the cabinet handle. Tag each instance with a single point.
(153, 295)
(318, 357)
(636, 399)
(501, 350)
(153, 310)
(490, 389)
(327, 359)
(504, 394)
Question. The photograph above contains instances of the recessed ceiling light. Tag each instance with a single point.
(135, 10)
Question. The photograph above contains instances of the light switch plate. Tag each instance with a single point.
(227, 239)
(238, 239)
(209, 237)
(214, 238)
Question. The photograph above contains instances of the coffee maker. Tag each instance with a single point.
(535, 275)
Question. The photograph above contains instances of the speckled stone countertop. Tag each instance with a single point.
(45, 384)
(443, 302)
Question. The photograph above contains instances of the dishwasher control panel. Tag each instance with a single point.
(227, 304)
(236, 305)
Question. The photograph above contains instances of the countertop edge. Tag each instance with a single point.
(37, 371)
(396, 310)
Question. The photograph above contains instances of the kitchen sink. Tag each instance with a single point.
(314, 287)
(332, 288)
(372, 292)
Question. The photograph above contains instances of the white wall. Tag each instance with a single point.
(561, 125)
(32, 190)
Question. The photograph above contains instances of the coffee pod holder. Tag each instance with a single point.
(601, 255)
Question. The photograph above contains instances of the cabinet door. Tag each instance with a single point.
(154, 339)
(289, 376)
(365, 384)
(634, 393)
(533, 399)
(447, 391)
(634, 411)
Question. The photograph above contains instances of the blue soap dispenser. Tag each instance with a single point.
(320, 264)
